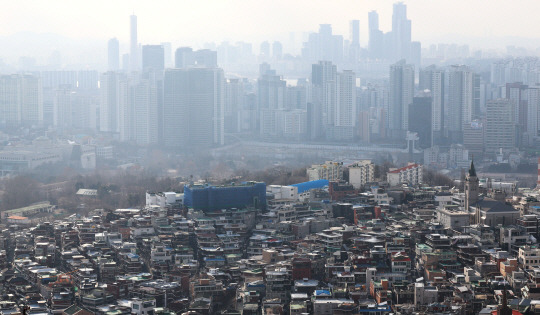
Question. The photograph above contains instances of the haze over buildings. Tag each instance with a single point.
(270, 157)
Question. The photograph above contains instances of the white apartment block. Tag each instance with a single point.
(361, 172)
(410, 174)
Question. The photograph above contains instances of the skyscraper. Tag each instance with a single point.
(31, 100)
(432, 79)
(134, 45)
(375, 45)
(144, 98)
(516, 93)
(500, 126)
(113, 109)
(345, 111)
(533, 112)
(113, 55)
(401, 30)
(401, 96)
(193, 108)
(153, 57)
(271, 91)
(63, 107)
(21, 100)
(323, 45)
(460, 100)
(420, 119)
(234, 103)
(324, 79)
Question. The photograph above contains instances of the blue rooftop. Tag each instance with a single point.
(322, 292)
(314, 184)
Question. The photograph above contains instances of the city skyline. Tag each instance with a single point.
(104, 20)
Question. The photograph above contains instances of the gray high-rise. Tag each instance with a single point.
(193, 107)
(375, 45)
(432, 79)
(401, 96)
(401, 30)
(460, 100)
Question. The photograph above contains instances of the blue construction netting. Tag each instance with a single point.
(211, 198)
(314, 184)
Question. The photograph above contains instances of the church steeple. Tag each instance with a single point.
(471, 188)
(472, 170)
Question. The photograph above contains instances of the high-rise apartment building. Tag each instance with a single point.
(375, 45)
(144, 99)
(234, 104)
(533, 112)
(500, 126)
(323, 46)
(271, 91)
(113, 50)
(401, 32)
(401, 96)
(114, 112)
(324, 79)
(516, 93)
(432, 79)
(345, 111)
(460, 100)
(193, 107)
(420, 119)
(21, 100)
(31, 100)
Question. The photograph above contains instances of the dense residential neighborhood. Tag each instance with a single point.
(320, 247)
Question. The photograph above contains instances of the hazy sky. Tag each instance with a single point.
(199, 21)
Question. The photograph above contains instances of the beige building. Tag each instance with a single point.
(331, 171)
